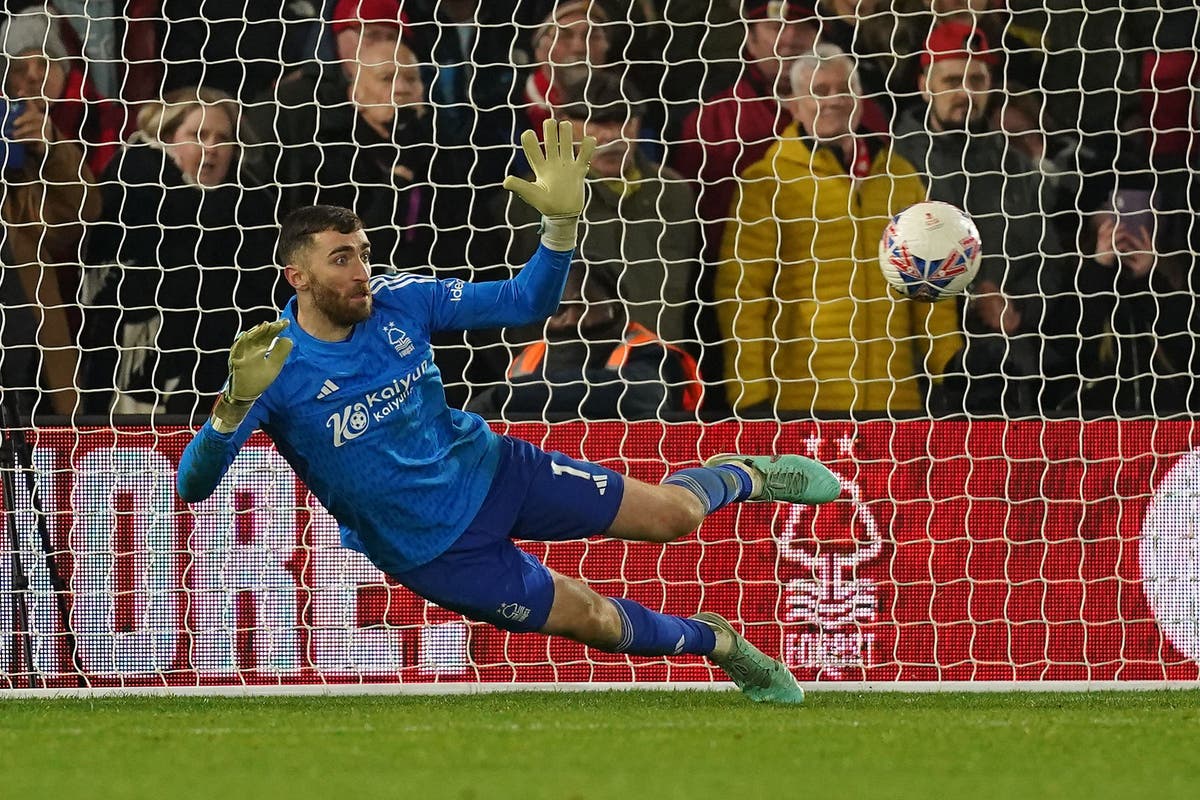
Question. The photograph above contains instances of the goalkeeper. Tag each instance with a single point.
(345, 385)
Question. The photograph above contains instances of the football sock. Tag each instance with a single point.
(648, 633)
(716, 487)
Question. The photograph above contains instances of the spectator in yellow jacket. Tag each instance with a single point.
(808, 320)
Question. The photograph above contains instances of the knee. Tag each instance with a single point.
(596, 623)
(681, 514)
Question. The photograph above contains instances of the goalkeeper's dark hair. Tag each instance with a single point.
(299, 226)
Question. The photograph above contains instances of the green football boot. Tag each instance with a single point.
(761, 678)
(787, 479)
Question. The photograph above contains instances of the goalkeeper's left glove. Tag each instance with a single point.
(557, 188)
(255, 360)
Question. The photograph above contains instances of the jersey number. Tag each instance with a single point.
(561, 469)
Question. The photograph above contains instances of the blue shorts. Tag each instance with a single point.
(535, 495)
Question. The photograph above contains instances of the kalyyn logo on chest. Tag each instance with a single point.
(353, 420)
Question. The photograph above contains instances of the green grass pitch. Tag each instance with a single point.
(626, 745)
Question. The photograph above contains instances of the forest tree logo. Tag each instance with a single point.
(828, 607)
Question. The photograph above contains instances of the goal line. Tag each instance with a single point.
(432, 689)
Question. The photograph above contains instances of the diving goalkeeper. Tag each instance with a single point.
(345, 385)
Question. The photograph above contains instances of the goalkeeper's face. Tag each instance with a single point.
(331, 277)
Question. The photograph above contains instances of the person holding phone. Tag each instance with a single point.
(38, 66)
(48, 195)
(1141, 312)
(1125, 235)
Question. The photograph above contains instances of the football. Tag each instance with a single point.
(930, 251)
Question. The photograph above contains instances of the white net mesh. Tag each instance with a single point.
(1017, 462)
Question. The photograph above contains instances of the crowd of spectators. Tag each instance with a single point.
(750, 153)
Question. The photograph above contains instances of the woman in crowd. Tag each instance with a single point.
(181, 260)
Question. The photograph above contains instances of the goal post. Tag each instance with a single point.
(1019, 506)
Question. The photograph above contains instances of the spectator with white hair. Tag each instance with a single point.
(811, 323)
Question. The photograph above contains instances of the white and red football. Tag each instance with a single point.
(930, 251)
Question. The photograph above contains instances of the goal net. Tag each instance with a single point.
(1018, 463)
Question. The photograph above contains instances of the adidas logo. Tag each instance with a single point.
(328, 388)
(601, 482)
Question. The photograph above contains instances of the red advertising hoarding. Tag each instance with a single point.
(1027, 551)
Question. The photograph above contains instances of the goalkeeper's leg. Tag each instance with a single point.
(677, 506)
(618, 625)
(552, 497)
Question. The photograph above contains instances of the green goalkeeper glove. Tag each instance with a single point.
(557, 188)
(255, 360)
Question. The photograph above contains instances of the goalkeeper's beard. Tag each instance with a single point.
(337, 308)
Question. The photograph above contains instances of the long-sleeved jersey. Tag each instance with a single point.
(364, 421)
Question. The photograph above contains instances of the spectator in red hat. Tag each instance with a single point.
(358, 24)
(1011, 320)
(956, 78)
(734, 128)
(570, 40)
(305, 106)
(1015, 33)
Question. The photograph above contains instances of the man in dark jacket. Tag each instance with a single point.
(640, 218)
(1016, 340)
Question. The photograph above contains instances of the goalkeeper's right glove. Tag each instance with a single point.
(557, 188)
(255, 360)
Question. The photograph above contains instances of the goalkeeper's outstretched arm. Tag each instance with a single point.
(255, 360)
(557, 191)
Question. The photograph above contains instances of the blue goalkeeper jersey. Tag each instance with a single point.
(364, 421)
